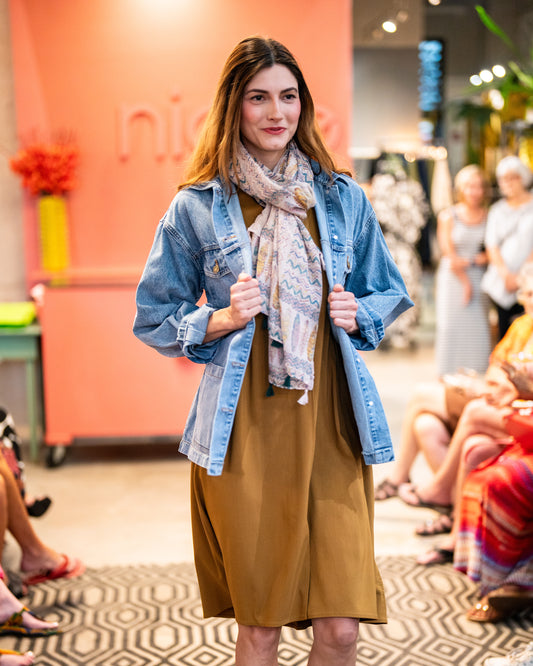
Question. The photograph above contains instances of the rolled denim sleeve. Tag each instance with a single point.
(377, 285)
(168, 316)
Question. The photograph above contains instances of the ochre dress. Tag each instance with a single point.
(285, 534)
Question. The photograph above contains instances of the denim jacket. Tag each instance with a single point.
(201, 246)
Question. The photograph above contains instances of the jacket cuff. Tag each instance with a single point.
(371, 329)
(191, 334)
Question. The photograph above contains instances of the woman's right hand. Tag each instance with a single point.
(245, 303)
(245, 300)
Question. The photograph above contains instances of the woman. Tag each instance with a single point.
(39, 562)
(509, 238)
(429, 426)
(10, 449)
(279, 433)
(492, 536)
(482, 422)
(462, 333)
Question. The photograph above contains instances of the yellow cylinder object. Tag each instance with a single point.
(525, 149)
(54, 233)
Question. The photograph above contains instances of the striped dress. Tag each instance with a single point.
(462, 333)
(495, 540)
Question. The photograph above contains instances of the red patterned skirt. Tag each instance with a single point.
(495, 540)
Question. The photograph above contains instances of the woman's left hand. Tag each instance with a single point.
(343, 308)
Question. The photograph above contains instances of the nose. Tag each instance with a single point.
(274, 109)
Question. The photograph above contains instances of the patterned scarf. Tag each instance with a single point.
(287, 263)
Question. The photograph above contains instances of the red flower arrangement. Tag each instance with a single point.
(47, 168)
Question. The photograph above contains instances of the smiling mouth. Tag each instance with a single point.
(274, 130)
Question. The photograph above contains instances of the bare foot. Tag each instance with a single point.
(9, 658)
(66, 567)
(427, 497)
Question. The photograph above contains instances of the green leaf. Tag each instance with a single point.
(489, 23)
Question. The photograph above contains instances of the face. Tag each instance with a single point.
(473, 191)
(510, 184)
(270, 113)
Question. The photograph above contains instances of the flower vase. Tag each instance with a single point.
(53, 226)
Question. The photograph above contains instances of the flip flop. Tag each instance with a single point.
(436, 556)
(385, 490)
(440, 525)
(14, 626)
(68, 568)
(420, 503)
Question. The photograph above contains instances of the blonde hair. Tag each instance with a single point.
(464, 175)
(220, 136)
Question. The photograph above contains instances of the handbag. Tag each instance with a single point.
(459, 389)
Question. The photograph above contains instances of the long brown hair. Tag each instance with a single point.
(221, 132)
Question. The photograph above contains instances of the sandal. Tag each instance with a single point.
(483, 611)
(25, 659)
(14, 626)
(409, 494)
(385, 490)
(511, 598)
(440, 525)
(436, 556)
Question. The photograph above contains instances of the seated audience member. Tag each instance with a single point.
(38, 562)
(508, 239)
(10, 449)
(492, 535)
(429, 422)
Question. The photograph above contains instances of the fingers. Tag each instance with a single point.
(245, 299)
(343, 308)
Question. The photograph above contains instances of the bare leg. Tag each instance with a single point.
(478, 417)
(476, 449)
(14, 517)
(433, 438)
(9, 605)
(428, 397)
(335, 642)
(257, 646)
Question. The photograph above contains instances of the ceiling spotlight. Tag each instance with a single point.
(389, 26)
(402, 16)
(499, 71)
(486, 76)
(475, 80)
(435, 3)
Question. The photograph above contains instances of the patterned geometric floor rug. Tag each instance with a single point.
(151, 616)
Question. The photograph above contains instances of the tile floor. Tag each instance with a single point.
(126, 504)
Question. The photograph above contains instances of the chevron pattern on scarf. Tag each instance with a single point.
(287, 263)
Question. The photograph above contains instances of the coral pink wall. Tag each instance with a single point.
(132, 78)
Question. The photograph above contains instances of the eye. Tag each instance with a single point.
(257, 97)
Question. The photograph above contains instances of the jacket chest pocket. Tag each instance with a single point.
(214, 263)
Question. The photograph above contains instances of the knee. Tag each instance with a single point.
(427, 426)
(260, 640)
(336, 634)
